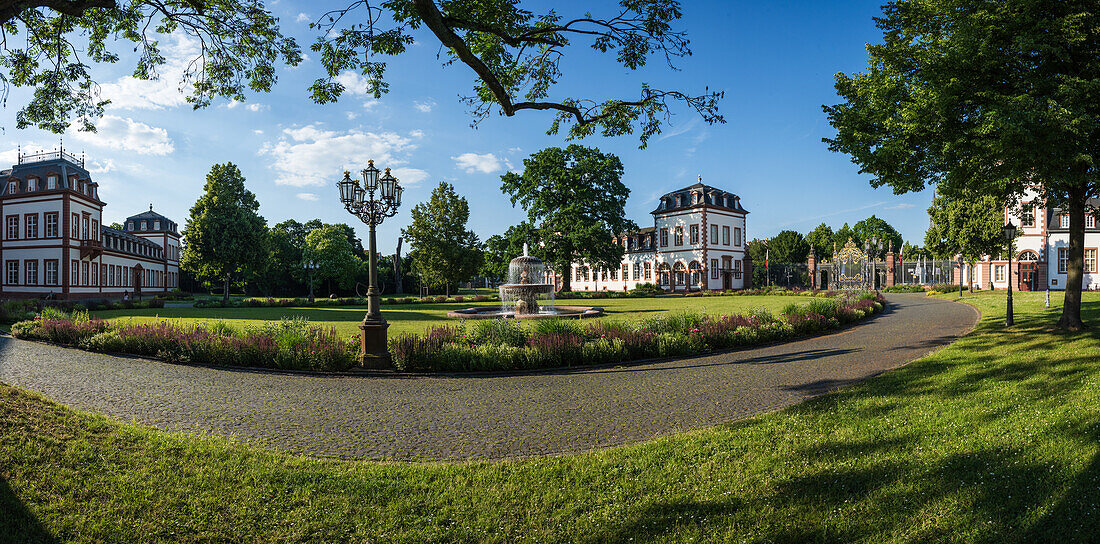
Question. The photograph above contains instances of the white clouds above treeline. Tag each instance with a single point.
(472, 162)
(313, 156)
(125, 134)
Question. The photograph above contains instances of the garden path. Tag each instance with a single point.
(484, 415)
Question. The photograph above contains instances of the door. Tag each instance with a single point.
(138, 271)
(1028, 276)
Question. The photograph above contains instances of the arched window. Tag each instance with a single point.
(1028, 256)
(679, 271)
(664, 275)
(696, 273)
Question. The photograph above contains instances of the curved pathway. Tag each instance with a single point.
(486, 415)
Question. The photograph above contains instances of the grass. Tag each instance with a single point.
(417, 317)
(993, 439)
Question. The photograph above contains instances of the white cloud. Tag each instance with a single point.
(302, 18)
(311, 155)
(167, 91)
(101, 167)
(312, 197)
(902, 206)
(369, 105)
(255, 106)
(409, 177)
(472, 162)
(416, 133)
(125, 134)
(351, 115)
(353, 82)
(257, 131)
(425, 106)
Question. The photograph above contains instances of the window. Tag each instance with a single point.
(999, 273)
(603, 275)
(85, 225)
(664, 237)
(118, 276)
(30, 272)
(713, 235)
(51, 225)
(714, 269)
(156, 225)
(1063, 221)
(31, 225)
(648, 271)
(626, 272)
(678, 235)
(51, 182)
(13, 227)
(614, 274)
(13, 273)
(13, 187)
(1090, 221)
(32, 184)
(84, 273)
(51, 272)
(637, 271)
(1027, 215)
(694, 233)
(737, 269)
(75, 226)
(725, 235)
(696, 273)
(144, 225)
(95, 274)
(130, 225)
(75, 280)
(95, 229)
(737, 236)
(1063, 260)
(1090, 261)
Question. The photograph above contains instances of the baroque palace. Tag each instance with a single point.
(55, 244)
(697, 242)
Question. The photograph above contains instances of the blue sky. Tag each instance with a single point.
(774, 59)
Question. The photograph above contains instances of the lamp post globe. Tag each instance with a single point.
(361, 201)
(1010, 235)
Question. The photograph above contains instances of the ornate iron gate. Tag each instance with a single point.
(849, 270)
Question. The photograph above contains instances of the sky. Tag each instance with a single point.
(775, 61)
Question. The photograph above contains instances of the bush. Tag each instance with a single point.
(904, 289)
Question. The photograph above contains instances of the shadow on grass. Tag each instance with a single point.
(17, 524)
(654, 522)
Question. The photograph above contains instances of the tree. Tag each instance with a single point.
(517, 57)
(789, 247)
(500, 249)
(443, 250)
(982, 97)
(224, 235)
(878, 229)
(576, 198)
(239, 47)
(332, 255)
(821, 240)
(911, 252)
(843, 234)
(757, 250)
(970, 227)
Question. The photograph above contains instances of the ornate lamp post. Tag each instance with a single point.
(372, 209)
(1010, 235)
(311, 266)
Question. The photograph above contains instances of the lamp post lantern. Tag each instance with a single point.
(377, 198)
(1010, 235)
(311, 266)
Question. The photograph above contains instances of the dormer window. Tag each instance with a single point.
(13, 187)
(130, 225)
(144, 225)
(156, 225)
(51, 183)
(32, 184)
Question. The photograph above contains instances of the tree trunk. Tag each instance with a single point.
(225, 291)
(566, 277)
(448, 289)
(1071, 308)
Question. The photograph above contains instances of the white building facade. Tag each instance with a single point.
(54, 243)
(697, 242)
(1040, 252)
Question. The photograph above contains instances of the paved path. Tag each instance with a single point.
(482, 416)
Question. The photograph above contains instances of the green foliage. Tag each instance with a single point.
(876, 228)
(517, 57)
(981, 98)
(444, 251)
(499, 331)
(224, 236)
(821, 240)
(52, 47)
(788, 247)
(500, 249)
(843, 234)
(970, 226)
(333, 257)
(576, 197)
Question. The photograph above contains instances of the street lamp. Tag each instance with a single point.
(362, 202)
(311, 266)
(1010, 235)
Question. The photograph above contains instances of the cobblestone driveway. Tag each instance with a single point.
(482, 416)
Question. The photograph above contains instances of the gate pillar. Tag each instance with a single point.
(811, 263)
(891, 264)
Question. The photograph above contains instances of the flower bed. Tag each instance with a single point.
(288, 344)
(508, 345)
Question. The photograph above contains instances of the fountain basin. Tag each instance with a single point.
(493, 312)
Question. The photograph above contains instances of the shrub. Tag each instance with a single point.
(498, 331)
(904, 289)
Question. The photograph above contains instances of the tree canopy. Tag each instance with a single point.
(982, 97)
(443, 250)
(333, 257)
(788, 247)
(500, 249)
(224, 235)
(821, 240)
(970, 227)
(876, 228)
(575, 196)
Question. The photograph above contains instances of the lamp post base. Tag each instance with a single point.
(373, 351)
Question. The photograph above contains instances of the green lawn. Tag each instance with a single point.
(993, 439)
(417, 317)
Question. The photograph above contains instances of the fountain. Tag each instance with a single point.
(527, 295)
